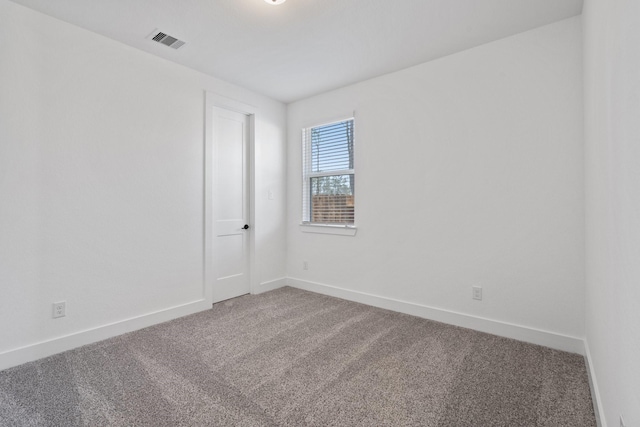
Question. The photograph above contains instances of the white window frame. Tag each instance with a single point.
(305, 225)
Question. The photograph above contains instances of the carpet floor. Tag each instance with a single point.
(295, 358)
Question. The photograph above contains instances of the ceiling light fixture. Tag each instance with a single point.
(275, 1)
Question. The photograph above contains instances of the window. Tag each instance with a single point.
(328, 174)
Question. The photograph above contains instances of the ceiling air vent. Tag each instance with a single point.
(166, 39)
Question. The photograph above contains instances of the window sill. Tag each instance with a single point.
(340, 230)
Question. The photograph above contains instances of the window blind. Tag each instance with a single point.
(329, 174)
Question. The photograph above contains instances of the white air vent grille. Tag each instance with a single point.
(166, 39)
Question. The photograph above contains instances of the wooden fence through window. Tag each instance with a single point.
(332, 209)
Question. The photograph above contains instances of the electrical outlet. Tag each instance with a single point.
(305, 265)
(270, 195)
(622, 424)
(476, 292)
(59, 309)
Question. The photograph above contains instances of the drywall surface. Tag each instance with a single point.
(102, 181)
(469, 171)
(612, 133)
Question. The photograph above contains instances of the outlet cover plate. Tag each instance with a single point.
(59, 309)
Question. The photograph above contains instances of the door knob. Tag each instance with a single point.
(246, 227)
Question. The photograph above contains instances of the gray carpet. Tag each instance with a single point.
(295, 358)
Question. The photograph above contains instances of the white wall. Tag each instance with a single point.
(612, 132)
(469, 171)
(101, 182)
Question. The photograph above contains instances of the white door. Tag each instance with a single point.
(230, 204)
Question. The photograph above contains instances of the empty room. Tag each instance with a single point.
(320, 213)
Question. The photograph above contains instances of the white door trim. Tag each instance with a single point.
(209, 274)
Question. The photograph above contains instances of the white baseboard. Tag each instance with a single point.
(270, 285)
(593, 385)
(549, 339)
(53, 346)
(503, 329)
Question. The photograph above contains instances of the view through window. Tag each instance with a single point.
(328, 174)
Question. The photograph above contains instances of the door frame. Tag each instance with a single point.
(209, 268)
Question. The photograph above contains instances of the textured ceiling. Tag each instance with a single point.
(305, 47)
